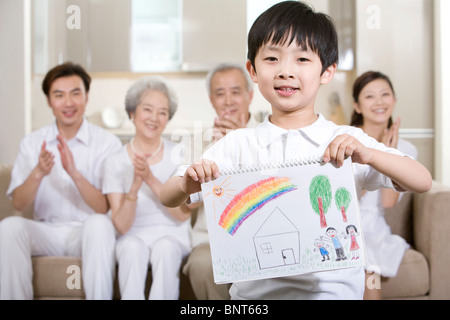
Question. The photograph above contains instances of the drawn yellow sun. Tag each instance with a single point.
(220, 191)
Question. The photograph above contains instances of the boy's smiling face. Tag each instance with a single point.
(289, 77)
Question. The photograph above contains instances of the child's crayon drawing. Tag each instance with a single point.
(252, 199)
(277, 242)
(220, 193)
(320, 197)
(264, 225)
(342, 199)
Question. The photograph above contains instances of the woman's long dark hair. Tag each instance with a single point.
(360, 83)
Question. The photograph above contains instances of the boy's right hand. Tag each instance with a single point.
(198, 173)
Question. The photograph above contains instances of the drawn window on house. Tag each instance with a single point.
(266, 248)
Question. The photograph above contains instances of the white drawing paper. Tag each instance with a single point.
(283, 220)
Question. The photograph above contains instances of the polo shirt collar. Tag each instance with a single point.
(267, 132)
(320, 131)
(82, 134)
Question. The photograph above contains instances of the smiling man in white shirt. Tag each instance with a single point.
(58, 170)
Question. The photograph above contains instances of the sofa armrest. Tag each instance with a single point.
(431, 229)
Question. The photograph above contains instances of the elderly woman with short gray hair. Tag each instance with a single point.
(148, 231)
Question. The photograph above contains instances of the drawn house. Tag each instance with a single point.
(277, 242)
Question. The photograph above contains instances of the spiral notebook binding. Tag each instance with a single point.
(272, 166)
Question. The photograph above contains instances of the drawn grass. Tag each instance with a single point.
(248, 268)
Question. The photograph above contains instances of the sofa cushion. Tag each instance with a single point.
(412, 280)
(57, 278)
(6, 207)
(399, 217)
(60, 278)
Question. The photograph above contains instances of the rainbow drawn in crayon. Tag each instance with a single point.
(251, 199)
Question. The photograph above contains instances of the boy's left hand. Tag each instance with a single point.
(345, 146)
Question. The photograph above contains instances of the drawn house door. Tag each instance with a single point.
(288, 256)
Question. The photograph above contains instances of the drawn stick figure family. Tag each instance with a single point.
(333, 237)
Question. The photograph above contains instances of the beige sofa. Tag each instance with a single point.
(422, 219)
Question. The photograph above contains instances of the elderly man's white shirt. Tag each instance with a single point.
(58, 199)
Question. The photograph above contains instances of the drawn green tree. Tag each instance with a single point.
(320, 195)
(342, 198)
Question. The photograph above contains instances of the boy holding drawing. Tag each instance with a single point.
(292, 51)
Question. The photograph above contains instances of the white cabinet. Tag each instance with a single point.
(139, 35)
(214, 31)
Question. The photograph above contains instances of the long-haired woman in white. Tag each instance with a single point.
(374, 102)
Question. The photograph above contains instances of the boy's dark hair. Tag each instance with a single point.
(310, 29)
(362, 81)
(66, 69)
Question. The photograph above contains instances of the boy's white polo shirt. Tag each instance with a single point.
(268, 143)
